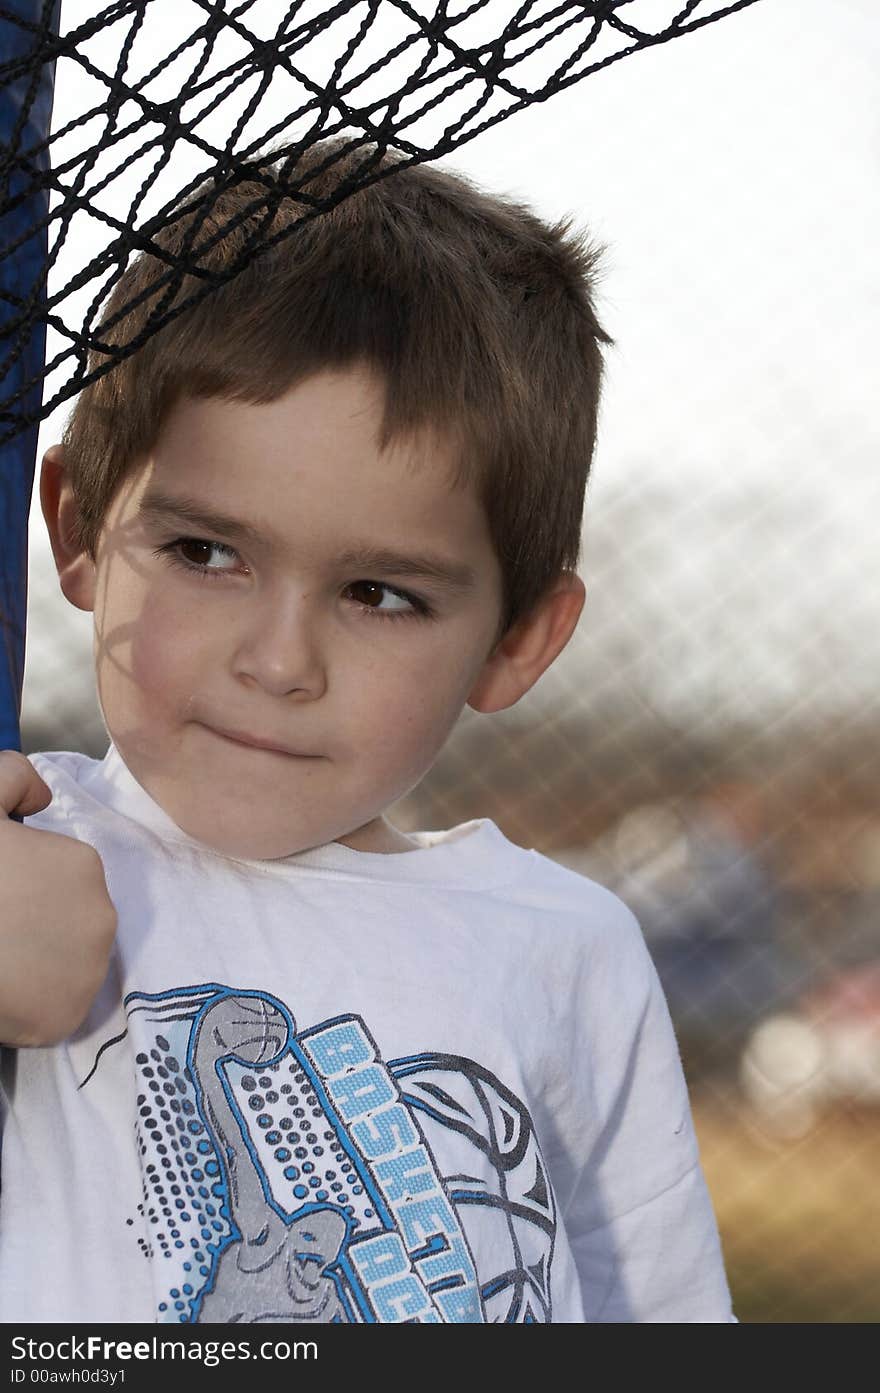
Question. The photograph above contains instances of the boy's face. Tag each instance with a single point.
(325, 634)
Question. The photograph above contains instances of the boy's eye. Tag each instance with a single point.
(197, 552)
(194, 553)
(375, 594)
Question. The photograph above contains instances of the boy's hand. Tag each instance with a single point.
(57, 921)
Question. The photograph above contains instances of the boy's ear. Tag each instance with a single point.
(529, 646)
(76, 570)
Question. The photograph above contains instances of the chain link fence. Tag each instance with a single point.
(707, 746)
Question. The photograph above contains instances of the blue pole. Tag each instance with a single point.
(25, 113)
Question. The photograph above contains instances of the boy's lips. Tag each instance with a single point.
(239, 738)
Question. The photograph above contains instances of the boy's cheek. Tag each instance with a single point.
(411, 735)
(144, 667)
(165, 637)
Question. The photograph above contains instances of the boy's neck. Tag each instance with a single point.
(378, 836)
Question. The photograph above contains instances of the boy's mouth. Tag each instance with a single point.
(255, 742)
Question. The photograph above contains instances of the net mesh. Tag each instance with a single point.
(708, 744)
(429, 78)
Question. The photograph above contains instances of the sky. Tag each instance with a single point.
(732, 177)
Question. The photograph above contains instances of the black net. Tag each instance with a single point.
(707, 747)
(242, 90)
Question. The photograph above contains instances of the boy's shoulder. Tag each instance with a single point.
(537, 877)
(542, 890)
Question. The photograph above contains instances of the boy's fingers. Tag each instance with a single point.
(22, 791)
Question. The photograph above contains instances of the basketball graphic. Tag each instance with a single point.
(295, 1175)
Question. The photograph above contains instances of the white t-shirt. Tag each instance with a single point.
(439, 1085)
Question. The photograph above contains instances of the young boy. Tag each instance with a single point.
(312, 1068)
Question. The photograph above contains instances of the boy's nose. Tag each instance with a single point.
(280, 649)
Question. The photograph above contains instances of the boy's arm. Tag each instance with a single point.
(57, 921)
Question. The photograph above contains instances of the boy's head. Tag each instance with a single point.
(416, 372)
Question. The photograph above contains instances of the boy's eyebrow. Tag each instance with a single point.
(455, 575)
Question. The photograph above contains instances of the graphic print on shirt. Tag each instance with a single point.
(294, 1175)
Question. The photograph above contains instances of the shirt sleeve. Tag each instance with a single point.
(660, 1262)
(640, 1219)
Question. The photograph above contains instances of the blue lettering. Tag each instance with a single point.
(421, 1219)
(363, 1091)
(379, 1258)
(385, 1133)
(435, 1219)
(401, 1300)
(460, 1305)
(449, 1264)
(406, 1175)
(340, 1047)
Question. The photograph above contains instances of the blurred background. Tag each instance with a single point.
(707, 746)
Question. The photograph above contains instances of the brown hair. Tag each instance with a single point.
(477, 315)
